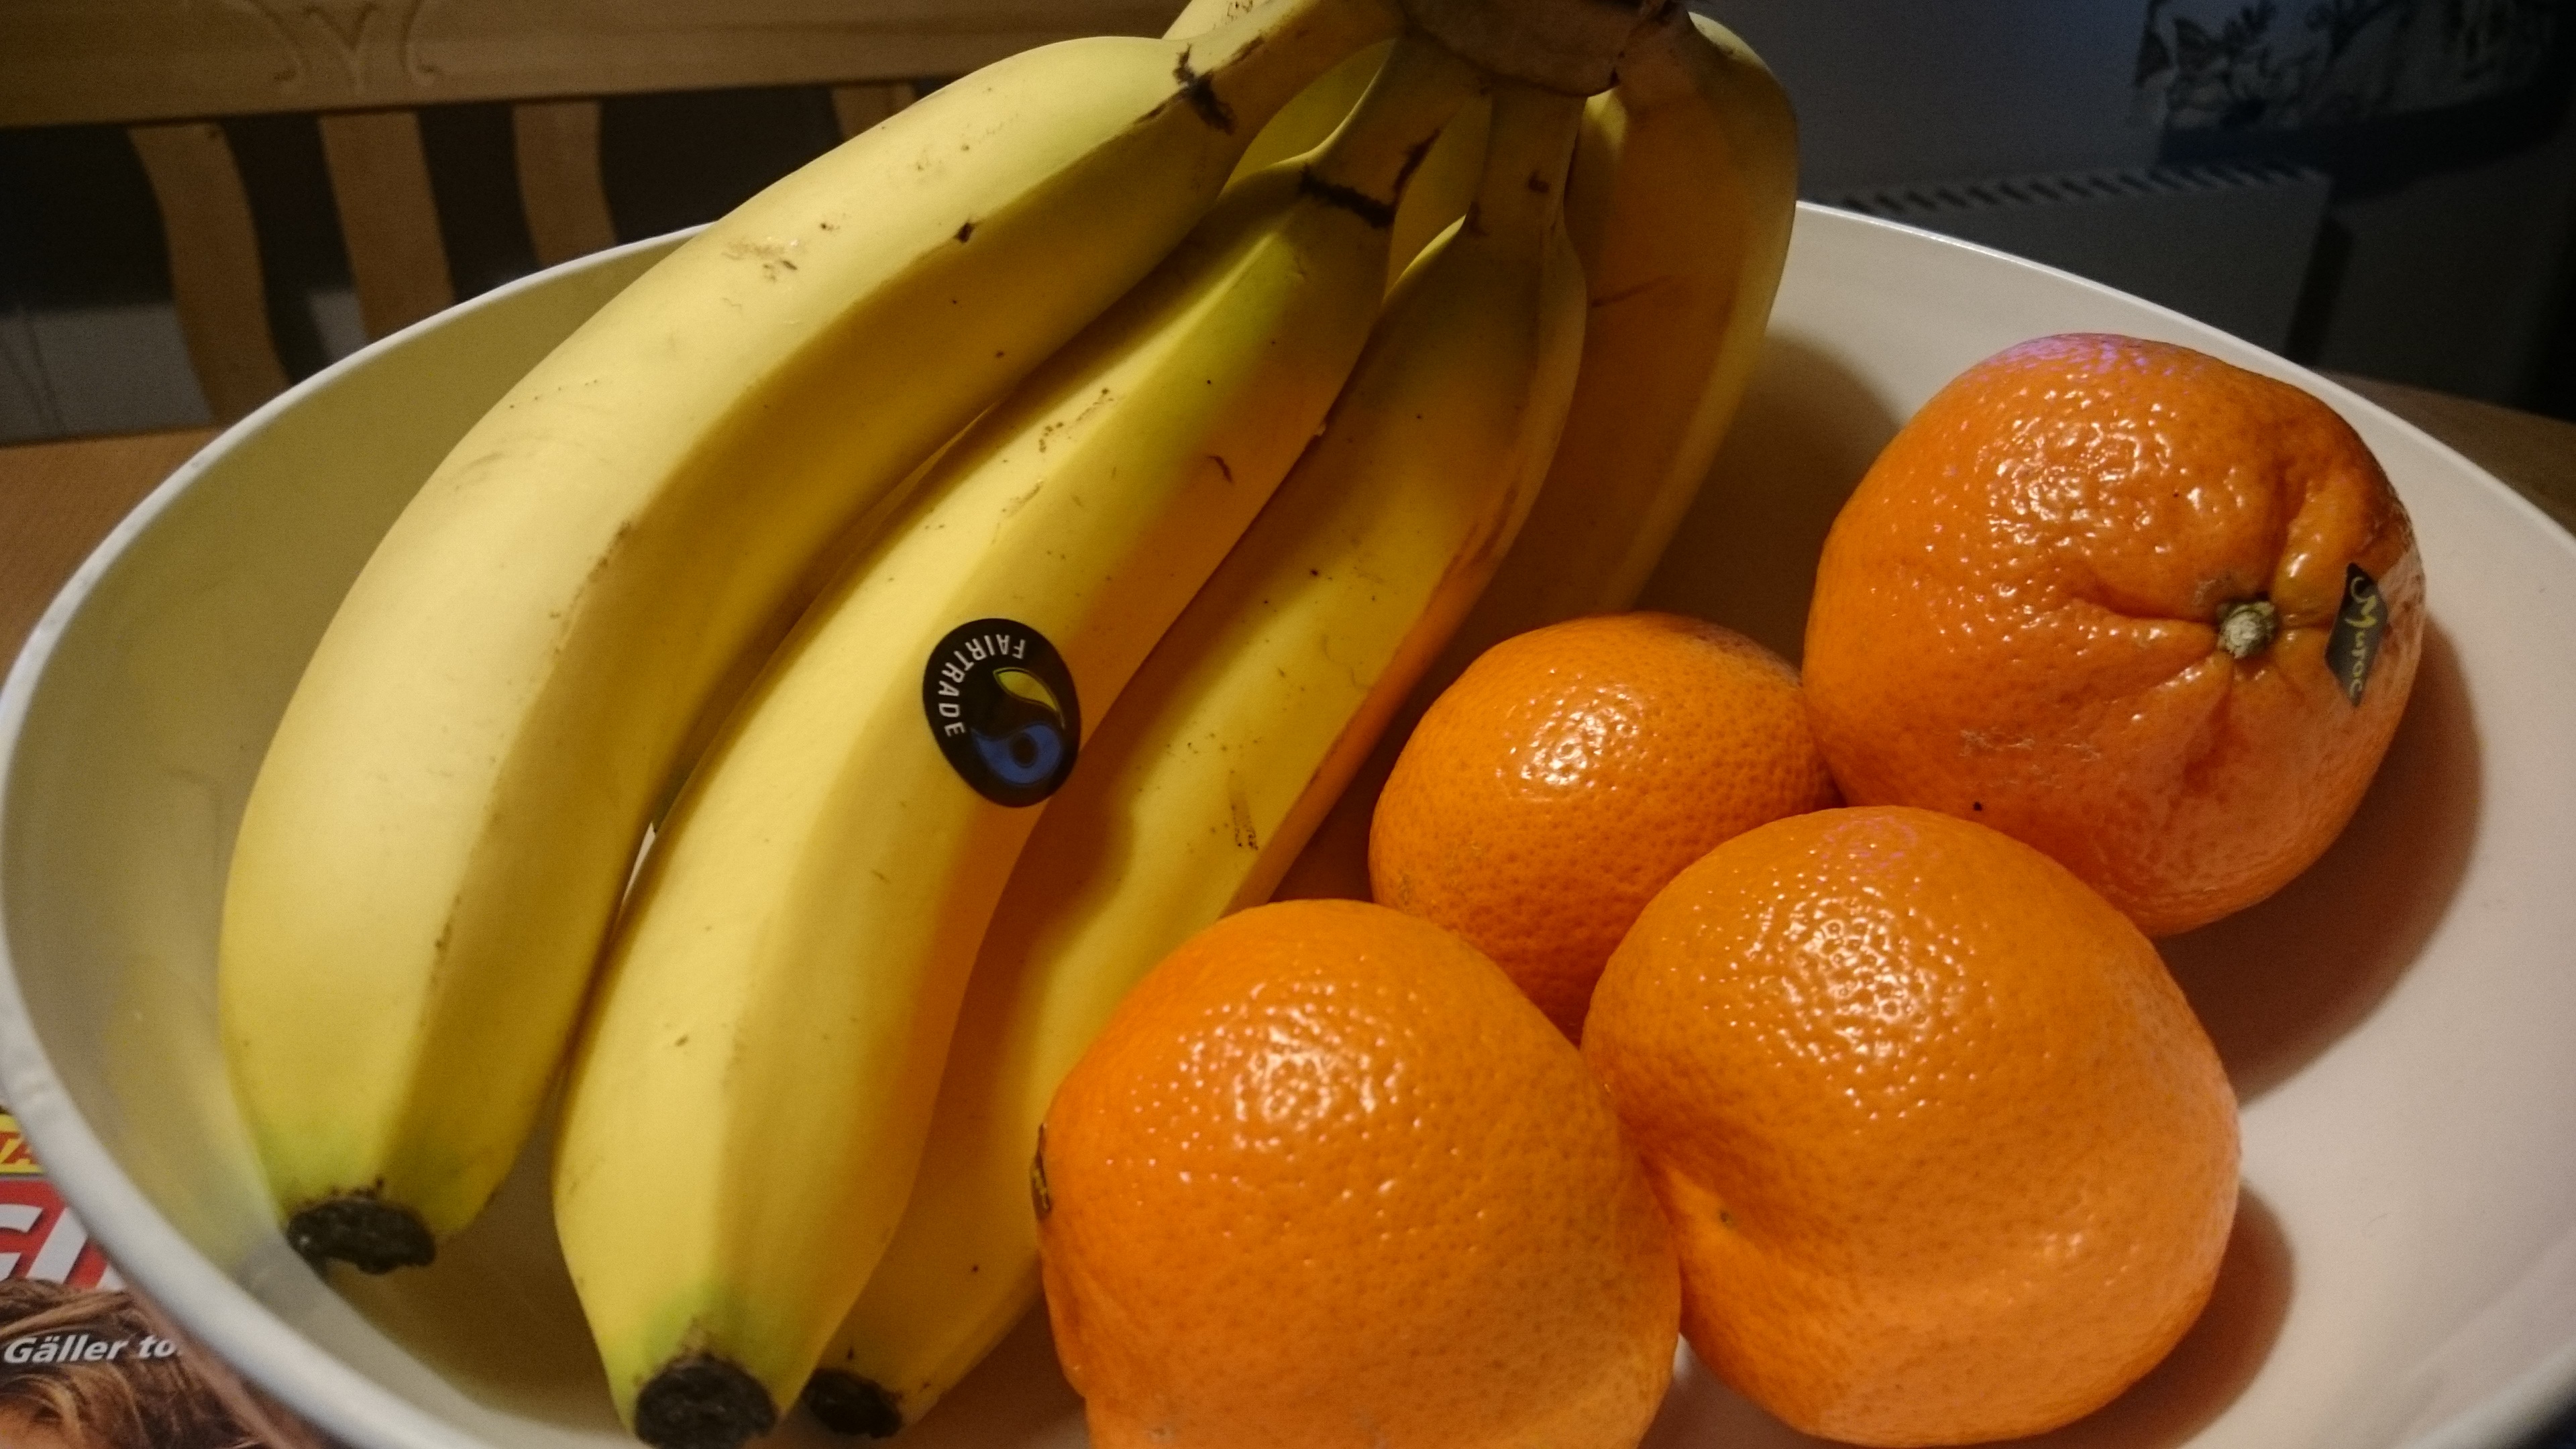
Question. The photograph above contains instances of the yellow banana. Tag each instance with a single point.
(1442, 185)
(1200, 16)
(441, 828)
(1303, 123)
(1680, 201)
(782, 986)
(1442, 188)
(1240, 728)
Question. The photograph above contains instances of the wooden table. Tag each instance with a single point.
(2535, 456)
(58, 499)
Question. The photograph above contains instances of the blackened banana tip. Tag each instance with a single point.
(852, 1404)
(362, 1230)
(701, 1401)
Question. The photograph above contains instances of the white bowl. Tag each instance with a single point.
(2401, 1021)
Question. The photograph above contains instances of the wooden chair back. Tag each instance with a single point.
(170, 72)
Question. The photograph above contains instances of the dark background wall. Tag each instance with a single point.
(2386, 187)
(2436, 132)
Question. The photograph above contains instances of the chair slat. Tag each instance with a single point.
(64, 61)
(388, 217)
(214, 264)
(159, 70)
(861, 106)
(560, 187)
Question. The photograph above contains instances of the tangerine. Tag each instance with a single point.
(2150, 612)
(1946, 1154)
(1569, 772)
(1326, 1179)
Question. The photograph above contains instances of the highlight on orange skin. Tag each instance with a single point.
(1947, 1156)
(2023, 617)
(1328, 1180)
(1570, 771)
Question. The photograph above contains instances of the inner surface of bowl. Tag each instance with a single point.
(2404, 1270)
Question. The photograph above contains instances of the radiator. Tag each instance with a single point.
(2228, 244)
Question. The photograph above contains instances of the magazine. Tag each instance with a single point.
(88, 1363)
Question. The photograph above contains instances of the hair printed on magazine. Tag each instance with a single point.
(85, 1369)
(87, 1363)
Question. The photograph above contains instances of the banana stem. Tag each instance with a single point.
(1564, 45)
(1653, 68)
(1522, 188)
(1365, 164)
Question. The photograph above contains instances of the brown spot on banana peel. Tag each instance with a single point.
(1379, 215)
(1238, 806)
(1199, 89)
(1413, 161)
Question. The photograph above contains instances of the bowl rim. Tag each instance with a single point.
(223, 1317)
(226, 1319)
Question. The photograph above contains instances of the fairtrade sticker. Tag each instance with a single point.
(1001, 705)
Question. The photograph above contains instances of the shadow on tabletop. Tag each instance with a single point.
(2279, 982)
(2179, 1397)
(1745, 555)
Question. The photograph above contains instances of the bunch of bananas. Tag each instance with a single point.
(828, 680)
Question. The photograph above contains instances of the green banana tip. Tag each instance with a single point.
(701, 1401)
(853, 1404)
(362, 1230)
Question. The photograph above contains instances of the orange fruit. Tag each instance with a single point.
(1946, 1154)
(2151, 613)
(1570, 771)
(1327, 1180)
